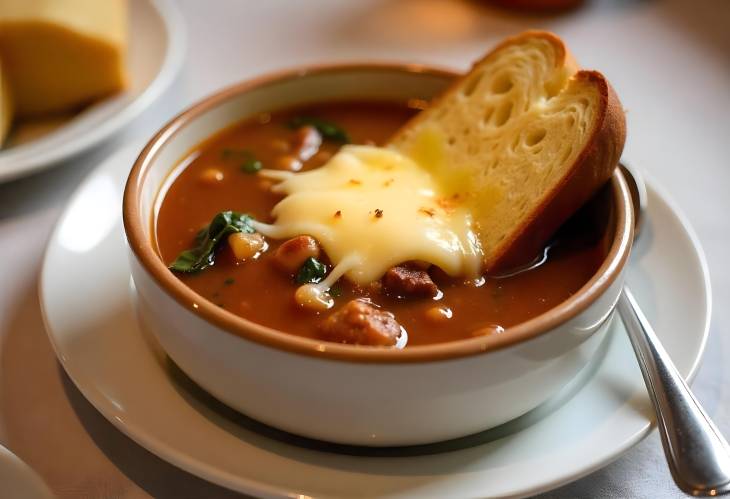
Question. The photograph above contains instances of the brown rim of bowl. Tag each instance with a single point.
(143, 249)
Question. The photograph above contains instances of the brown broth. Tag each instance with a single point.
(259, 291)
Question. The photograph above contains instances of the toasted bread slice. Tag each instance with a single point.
(525, 138)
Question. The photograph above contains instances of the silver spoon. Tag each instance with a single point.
(697, 454)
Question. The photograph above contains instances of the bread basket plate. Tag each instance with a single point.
(19, 480)
(155, 55)
(125, 376)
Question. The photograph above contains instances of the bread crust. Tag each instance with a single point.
(591, 169)
(563, 59)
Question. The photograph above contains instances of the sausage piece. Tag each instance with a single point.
(360, 323)
(409, 282)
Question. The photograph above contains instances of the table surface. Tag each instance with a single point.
(668, 60)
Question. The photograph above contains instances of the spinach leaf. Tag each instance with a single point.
(207, 241)
(246, 159)
(328, 130)
(251, 165)
(311, 271)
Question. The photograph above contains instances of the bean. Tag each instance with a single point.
(211, 176)
(312, 297)
(293, 253)
(439, 314)
(289, 163)
(245, 245)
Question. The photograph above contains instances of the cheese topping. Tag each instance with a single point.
(372, 208)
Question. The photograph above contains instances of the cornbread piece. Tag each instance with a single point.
(61, 54)
(360, 323)
(523, 140)
(6, 105)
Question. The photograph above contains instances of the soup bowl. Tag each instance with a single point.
(343, 393)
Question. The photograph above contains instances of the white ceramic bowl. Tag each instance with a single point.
(342, 393)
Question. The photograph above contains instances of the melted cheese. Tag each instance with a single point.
(372, 208)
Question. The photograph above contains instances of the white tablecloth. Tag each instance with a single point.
(669, 61)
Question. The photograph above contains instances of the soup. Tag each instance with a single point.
(412, 304)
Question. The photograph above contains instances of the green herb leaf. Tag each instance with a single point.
(251, 165)
(311, 271)
(327, 129)
(246, 158)
(207, 241)
(201, 235)
(335, 291)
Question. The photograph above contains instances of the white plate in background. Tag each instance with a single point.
(130, 381)
(156, 53)
(18, 480)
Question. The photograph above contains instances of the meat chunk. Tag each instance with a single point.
(360, 323)
(409, 282)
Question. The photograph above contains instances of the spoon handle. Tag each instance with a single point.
(698, 455)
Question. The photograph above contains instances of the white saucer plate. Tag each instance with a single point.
(155, 55)
(90, 318)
